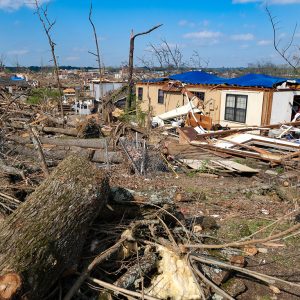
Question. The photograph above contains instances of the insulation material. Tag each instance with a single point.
(175, 280)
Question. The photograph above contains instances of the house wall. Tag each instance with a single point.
(254, 107)
(95, 90)
(172, 100)
(281, 107)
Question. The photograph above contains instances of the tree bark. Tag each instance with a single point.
(83, 143)
(130, 64)
(45, 235)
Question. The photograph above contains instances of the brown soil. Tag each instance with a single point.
(241, 206)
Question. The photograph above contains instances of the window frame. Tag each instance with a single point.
(235, 108)
(196, 93)
(160, 98)
(140, 96)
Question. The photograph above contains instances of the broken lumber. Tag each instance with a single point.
(65, 131)
(45, 235)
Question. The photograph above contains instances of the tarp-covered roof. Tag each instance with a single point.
(154, 80)
(249, 80)
(197, 77)
(256, 80)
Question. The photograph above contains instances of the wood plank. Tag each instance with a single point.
(238, 167)
(229, 165)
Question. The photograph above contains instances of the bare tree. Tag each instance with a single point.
(170, 58)
(130, 63)
(16, 63)
(47, 26)
(197, 62)
(174, 55)
(2, 62)
(290, 52)
(98, 58)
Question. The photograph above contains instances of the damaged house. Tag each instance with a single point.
(250, 100)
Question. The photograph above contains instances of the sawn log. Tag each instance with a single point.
(45, 235)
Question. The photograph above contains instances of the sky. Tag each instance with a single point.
(225, 33)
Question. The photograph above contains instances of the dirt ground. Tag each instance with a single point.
(241, 206)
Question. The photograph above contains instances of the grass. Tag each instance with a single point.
(39, 95)
(235, 229)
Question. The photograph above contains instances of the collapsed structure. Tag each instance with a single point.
(250, 100)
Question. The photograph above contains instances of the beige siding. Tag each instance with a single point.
(172, 100)
(254, 107)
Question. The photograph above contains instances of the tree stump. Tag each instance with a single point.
(45, 235)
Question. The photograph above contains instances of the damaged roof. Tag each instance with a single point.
(249, 80)
(256, 80)
(197, 77)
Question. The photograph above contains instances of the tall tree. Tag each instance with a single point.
(98, 59)
(2, 62)
(42, 13)
(290, 52)
(130, 64)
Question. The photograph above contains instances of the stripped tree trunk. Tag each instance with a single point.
(45, 235)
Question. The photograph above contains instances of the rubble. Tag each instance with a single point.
(136, 236)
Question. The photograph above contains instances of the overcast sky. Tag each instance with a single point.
(224, 32)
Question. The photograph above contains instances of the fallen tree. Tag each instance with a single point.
(83, 143)
(45, 235)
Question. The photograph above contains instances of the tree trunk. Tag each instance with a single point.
(45, 235)
(130, 73)
(83, 143)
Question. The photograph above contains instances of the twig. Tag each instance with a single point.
(85, 274)
(118, 289)
(37, 144)
(170, 235)
(211, 284)
(241, 244)
(169, 165)
(195, 279)
(266, 278)
(273, 223)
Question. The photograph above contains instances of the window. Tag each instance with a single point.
(160, 98)
(236, 108)
(199, 95)
(140, 93)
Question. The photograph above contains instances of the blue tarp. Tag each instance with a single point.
(249, 80)
(153, 80)
(16, 78)
(256, 80)
(197, 77)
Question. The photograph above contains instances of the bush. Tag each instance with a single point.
(39, 95)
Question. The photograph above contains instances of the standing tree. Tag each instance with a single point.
(98, 59)
(170, 59)
(130, 64)
(290, 52)
(2, 62)
(197, 62)
(48, 25)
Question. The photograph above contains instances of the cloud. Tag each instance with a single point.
(11, 5)
(264, 42)
(18, 52)
(205, 34)
(278, 2)
(205, 22)
(72, 58)
(242, 37)
(186, 23)
(244, 46)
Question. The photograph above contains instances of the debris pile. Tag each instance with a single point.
(67, 233)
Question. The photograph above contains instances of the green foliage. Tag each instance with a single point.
(39, 95)
(279, 170)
